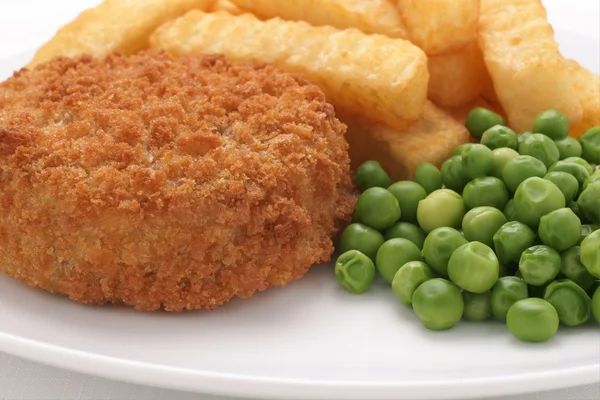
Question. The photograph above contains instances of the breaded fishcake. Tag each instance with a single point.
(167, 183)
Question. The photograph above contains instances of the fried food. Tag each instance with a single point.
(440, 26)
(382, 78)
(456, 79)
(460, 113)
(167, 183)
(523, 59)
(114, 25)
(431, 139)
(228, 6)
(369, 16)
(587, 87)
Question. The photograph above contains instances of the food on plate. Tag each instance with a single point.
(539, 265)
(461, 114)
(438, 303)
(444, 207)
(355, 271)
(590, 144)
(406, 230)
(580, 171)
(498, 137)
(509, 211)
(114, 25)
(501, 157)
(369, 16)
(371, 174)
(523, 59)
(428, 176)
(587, 88)
(477, 161)
(379, 77)
(568, 147)
(571, 302)
(480, 119)
(520, 168)
(506, 292)
(440, 26)
(560, 229)
(572, 268)
(541, 147)
(536, 197)
(167, 183)
(228, 6)
(439, 246)
(590, 253)
(408, 194)
(567, 184)
(532, 320)
(478, 306)
(594, 178)
(393, 254)
(474, 267)
(378, 208)
(596, 305)
(486, 191)
(552, 124)
(409, 278)
(481, 223)
(362, 238)
(431, 139)
(511, 240)
(587, 165)
(453, 175)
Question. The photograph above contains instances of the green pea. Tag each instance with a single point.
(522, 136)
(478, 160)
(481, 223)
(371, 174)
(443, 207)
(572, 268)
(378, 208)
(408, 194)
(578, 160)
(539, 265)
(596, 305)
(355, 271)
(501, 157)
(408, 231)
(438, 304)
(589, 203)
(459, 149)
(408, 278)
(474, 267)
(552, 123)
(500, 136)
(481, 119)
(590, 142)
(521, 168)
(393, 254)
(567, 184)
(590, 253)
(453, 174)
(532, 320)
(541, 147)
(594, 178)
(506, 292)
(511, 240)
(439, 246)
(579, 212)
(428, 176)
(577, 170)
(509, 211)
(478, 306)
(536, 197)
(486, 191)
(586, 230)
(362, 238)
(569, 147)
(571, 302)
(560, 229)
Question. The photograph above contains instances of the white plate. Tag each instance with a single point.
(310, 339)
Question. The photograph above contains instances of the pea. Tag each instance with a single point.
(511, 240)
(552, 123)
(458, 151)
(474, 267)
(378, 208)
(521, 168)
(509, 211)
(589, 203)
(501, 157)
(594, 178)
(499, 136)
(453, 174)
(579, 212)
(541, 147)
(478, 160)
(539, 265)
(481, 223)
(408, 278)
(408, 194)
(428, 176)
(438, 304)
(439, 246)
(578, 160)
(590, 253)
(536, 197)
(443, 207)
(567, 184)
(481, 119)
(362, 238)
(577, 170)
(560, 229)
(486, 191)
(532, 320)
(506, 292)
(522, 136)
(571, 302)
(568, 147)
(572, 268)
(355, 271)
(371, 174)
(586, 230)
(393, 254)
(408, 231)
(590, 142)
(478, 306)
(596, 305)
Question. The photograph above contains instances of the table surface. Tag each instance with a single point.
(26, 25)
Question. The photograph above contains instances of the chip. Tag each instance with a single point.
(587, 87)
(228, 6)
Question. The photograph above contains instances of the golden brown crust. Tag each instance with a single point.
(163, 183)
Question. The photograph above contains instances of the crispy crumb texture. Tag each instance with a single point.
(167, 183)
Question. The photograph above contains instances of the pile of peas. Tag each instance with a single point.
(509, 227)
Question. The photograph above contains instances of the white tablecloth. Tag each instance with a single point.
(24, 25)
